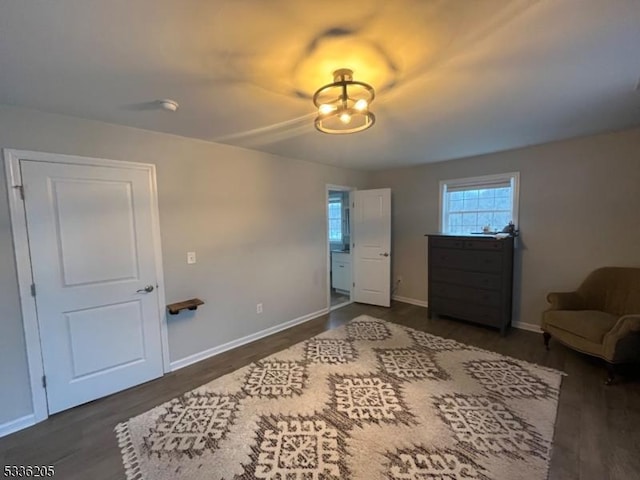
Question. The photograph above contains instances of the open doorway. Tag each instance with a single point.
(339, 246)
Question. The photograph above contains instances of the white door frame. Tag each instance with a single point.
(341, 188)
(23, 260)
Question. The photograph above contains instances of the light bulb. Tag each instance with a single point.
(345, 118)
(361, 105)
(326, 109)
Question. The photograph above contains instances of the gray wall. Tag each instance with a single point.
(256, 221)
(579, 210)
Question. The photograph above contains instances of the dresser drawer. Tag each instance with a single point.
(463, 242)
(445, 242)
(478, 244)
(470, 260)
(490, 298)
(488, 281)
(476, 313)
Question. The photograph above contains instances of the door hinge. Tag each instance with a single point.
(44, 381)
(21, 189)
(33, 289)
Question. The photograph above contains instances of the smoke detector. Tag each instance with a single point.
(169, 105)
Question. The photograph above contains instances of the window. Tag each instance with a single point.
(335, 220)
(470, 205)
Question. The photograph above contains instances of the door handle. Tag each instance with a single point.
(385, 254)
(147, 289)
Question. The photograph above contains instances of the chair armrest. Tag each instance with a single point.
(565, 301)
(626, 325)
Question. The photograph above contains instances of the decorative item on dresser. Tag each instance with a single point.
(471, 278)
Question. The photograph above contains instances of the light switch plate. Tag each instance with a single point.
(191, 257)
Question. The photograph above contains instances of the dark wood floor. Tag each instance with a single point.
(597, 433)
(338, 298)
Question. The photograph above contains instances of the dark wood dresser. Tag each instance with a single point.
(471, 278)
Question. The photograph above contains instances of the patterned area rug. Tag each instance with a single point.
(369, 400)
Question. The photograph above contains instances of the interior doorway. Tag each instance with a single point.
(339, 265)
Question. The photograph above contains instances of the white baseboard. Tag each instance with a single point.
(421, 303)
(196, 357)
(17, 424)
(412, 301)
(527, 326)
(340, 305)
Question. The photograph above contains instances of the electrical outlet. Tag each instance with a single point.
(259, 308)
(191, 257)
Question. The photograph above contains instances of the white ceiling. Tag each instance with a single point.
(453, 77)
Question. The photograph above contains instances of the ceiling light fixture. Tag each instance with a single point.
(343, 106)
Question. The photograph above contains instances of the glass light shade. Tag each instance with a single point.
(345, 117)
(361, 105)
(326, 109)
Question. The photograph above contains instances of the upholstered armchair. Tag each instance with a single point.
(601, 318)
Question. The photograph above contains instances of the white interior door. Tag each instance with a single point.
(372, 250)
(90, 234)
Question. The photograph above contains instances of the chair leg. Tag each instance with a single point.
(547, 337)
(611, 374)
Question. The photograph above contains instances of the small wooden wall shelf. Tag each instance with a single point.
(192, 304)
